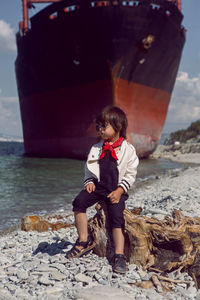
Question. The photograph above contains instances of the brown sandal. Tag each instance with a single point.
(75, 252)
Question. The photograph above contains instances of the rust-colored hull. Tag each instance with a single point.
(146, 109)
(146, 118)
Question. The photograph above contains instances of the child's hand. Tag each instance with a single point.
(115, 195)
(90, 187)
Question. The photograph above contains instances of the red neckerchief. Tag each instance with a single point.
(108, 147)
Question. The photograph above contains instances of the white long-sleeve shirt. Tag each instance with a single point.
(127, 165)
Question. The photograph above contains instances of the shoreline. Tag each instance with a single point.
(33, 265)
(181, 153)
(188, 160)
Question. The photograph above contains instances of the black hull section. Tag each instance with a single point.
(87, 46)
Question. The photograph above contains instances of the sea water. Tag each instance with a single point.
(42, 185)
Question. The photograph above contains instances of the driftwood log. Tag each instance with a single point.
(41, 224)
(156, 245)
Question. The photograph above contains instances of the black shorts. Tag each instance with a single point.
(115, 211)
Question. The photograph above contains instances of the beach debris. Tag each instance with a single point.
(161, 246)
(164, 245)
(41, 224)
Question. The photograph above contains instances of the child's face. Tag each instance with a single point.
(108, 133)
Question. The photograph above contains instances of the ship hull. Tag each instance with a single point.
(64, 83)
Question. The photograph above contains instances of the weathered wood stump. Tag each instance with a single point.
(159, 245)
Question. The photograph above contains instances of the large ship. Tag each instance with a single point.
(77, 56)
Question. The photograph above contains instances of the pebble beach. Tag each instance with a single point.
(33, 264)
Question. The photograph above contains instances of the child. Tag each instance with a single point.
(110, 171)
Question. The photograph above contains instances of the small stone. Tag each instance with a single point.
(142, 273)
(92, 284)
(11, 271)
(159, 289)
(139, 297)
(192, 290)
(22, 294)
(22, 275)
(91, 268)
(43, 268)
(198, 296)
(44, 280)
(82, 278)
(19, 256)
(8, 245)
(11, 288)
(132, 267)
(5, 294)
(59, 267)
(126, 287)
(4, 260)
(55, 275)
(134, 275)
(103, 282)
(102, 292)
(97, 276)
(14, 279)
(152, 295)
(55, 289)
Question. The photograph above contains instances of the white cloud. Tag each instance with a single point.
(9, 99)
(184, 107)
(7, 37)
(10, 122)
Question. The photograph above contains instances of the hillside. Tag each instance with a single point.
(189, 135)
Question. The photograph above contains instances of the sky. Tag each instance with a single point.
(184, 107)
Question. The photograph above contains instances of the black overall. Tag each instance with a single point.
(108, 183)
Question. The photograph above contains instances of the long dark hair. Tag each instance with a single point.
(116, 117)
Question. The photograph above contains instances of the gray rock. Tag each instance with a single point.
(97, 276)
(142, 273)
(91, 268)
(192, 291)
(11, 271)
(44, 280)
(22, 275)
(152, 295)
(22, 294)
(5, 294)
(104, 271)
(134, 275)
(4, 260)
(132, 267)
(8, 245)
(126, 287)
(82, 278)
(55, 275)
(103, 281)
(14, 279)
(99, 293)
(44, 268)
(11, 287)
(140, 297)
(60, 267)
(32, 280)
(198, 295)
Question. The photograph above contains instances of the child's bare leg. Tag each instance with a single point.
(118, 238)
(83, 243)
(119, 263)
(81, 225)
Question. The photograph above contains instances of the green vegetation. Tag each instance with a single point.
(185, 134)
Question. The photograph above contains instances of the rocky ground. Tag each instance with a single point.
(33, 265)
